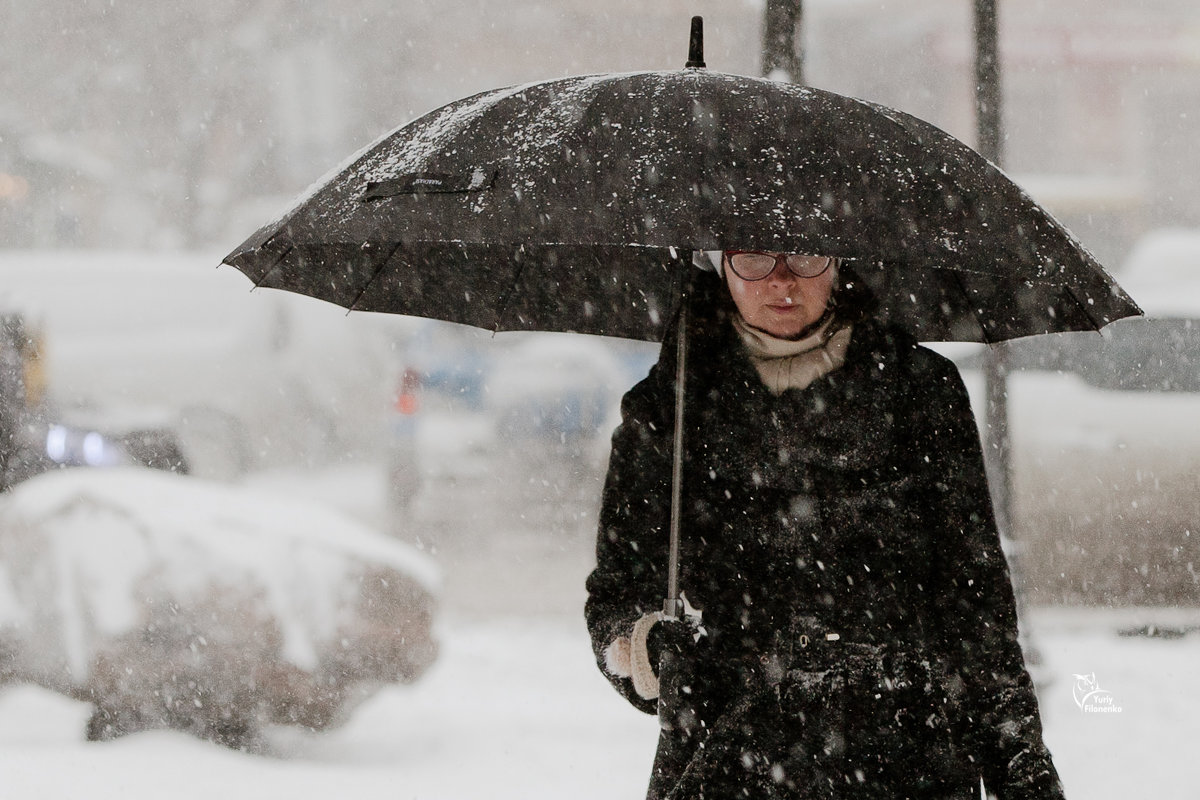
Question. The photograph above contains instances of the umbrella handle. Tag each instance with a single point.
(673, 605)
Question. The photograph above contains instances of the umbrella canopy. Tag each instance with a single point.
(573, 205)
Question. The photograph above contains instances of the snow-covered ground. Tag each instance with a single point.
(514, 707)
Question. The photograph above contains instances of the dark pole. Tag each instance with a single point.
(990, 133)
(782, 49)
(987, 80)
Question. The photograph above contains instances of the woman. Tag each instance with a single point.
(854, 632)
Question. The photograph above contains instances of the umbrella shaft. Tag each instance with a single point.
(672, 605)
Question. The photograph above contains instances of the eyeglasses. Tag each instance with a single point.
(755, 265)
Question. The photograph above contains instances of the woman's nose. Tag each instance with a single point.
(781, 274)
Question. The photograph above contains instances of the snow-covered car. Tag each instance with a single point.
(169, 601)
(1106, 443)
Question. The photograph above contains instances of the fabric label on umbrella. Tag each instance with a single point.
(429, 183)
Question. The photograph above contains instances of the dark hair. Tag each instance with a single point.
(853, 299)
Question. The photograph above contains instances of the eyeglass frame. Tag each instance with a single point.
(729, 254)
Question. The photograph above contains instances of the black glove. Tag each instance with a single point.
(672, 638)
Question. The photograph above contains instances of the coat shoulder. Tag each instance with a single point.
(921, 363)
(933, 364)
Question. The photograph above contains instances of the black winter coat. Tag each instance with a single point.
(856, 507)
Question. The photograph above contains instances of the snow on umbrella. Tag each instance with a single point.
(556, 205)
(575, 205)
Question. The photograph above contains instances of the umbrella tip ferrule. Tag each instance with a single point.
(696, 45)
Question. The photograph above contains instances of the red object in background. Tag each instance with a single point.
(407, 400)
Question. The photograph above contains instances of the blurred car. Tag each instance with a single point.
(1106, 443)
(35, 440)
(434, 429)
(557, 391)
(135, 346)
(471, 408)
(67, 446)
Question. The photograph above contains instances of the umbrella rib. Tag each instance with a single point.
(502, 306)
(259, 283)
(962, 287)
(378, 271)
(1083, 307)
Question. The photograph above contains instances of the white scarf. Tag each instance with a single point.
(785, 364)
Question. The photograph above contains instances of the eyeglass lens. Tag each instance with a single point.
(756, 266)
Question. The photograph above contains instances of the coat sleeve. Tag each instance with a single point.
(630, 577)
(998, 718)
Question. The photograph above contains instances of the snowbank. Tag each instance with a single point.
(173, 602)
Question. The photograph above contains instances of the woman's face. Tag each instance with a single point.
(783, 304)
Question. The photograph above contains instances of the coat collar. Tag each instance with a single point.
(843, 421)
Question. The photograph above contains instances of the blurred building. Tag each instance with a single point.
(186, 125)
(1101, 98)
(45, 190)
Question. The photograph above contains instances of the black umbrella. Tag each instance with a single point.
(576, 204)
